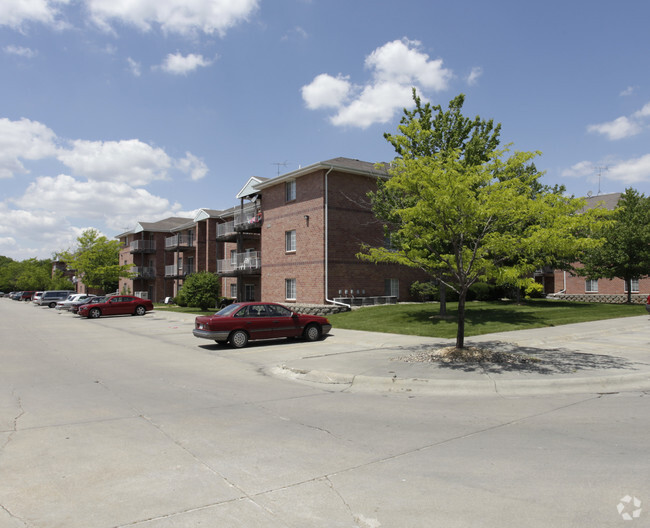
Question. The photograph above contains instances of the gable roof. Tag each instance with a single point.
(606, 201)
(251, 186)
(353, 166)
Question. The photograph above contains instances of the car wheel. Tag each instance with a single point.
(52, 305)
(140, 310)
(239, 339)
(94, 313)
(312, 332)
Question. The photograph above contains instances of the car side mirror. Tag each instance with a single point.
(294, 314)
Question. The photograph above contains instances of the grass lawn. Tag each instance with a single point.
(173, 308)
(480, 317)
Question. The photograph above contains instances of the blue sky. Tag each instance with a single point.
(113, 112)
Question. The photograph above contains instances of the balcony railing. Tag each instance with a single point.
(176, 271)
(243, 262)
(225, 229)
(143, 246)
(178, 242)
(143, 272)
(248, 217)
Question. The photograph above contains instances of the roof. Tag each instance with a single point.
(606, 201)
(353, 166)
(165, 225)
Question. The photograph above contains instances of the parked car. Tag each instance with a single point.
(65, 305)
(37, 297)
(240, 322)
(26, 296)
(116, 305)
(2, 294)
(51, 297)
(74, 306)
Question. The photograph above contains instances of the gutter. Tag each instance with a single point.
(349, 307)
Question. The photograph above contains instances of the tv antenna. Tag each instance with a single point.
(601, 168)
(280, 164)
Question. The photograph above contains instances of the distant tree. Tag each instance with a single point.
(625, 254)
(464, 223)
(9, 271)
(200, 290)
(34, 275)
(96, 261)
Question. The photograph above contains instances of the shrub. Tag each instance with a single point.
(200, 290)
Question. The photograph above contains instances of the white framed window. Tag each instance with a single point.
(290, 240)
(591, 285)
(391, 287)
(233, 257)
(290, 191)
(290, 289)
(634, 283)
(233, 290)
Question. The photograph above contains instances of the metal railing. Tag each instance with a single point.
(178, 241)
(249, 215)
(225, 229)
(144, 271)
(143, 245)
(240, 262)
(178, 271)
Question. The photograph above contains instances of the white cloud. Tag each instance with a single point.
(622, 127)
(583, 168)
(326, 91)
(177, 64)
(195, 167)
(134, 67)
(15, 13)
(20, 51)
(130, 161)
(630, 171)
(396, 67)
(474, 75)
(629, 91)
(183, 17)
(23, 140)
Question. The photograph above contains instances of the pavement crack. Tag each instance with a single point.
(14, 427)
(4, 508)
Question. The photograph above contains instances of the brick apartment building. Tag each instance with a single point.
(291, 239)
(566, 285)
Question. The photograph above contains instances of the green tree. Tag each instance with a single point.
(96, 261)
(34, 275)
(429, 130)
(467, 222)
(9, 271)
(200, 290)
(625, 254)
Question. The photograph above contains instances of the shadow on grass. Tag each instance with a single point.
(544, 361)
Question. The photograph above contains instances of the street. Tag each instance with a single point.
(131, 421)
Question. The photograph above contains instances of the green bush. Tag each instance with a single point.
(199, 290)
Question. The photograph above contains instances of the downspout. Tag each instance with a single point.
(327, 246)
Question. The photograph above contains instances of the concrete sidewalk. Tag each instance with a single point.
(596, 357)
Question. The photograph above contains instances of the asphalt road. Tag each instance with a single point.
(133, 422)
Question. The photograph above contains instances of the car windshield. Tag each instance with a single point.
(228, 310)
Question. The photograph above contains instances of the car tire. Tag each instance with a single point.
(52, 305)
(94, 313)
(239, 339)
(312, 332)
(140, 310)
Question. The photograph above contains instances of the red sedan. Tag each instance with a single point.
(116, 305)
(241, 322)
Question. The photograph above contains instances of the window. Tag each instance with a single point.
(233, 257)
(391, 287)
(290, 190)
(290, 289)
(591, 286)
(233, 290)
(635, 286)
(290, 240)
(249, 292)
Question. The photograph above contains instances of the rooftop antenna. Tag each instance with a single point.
(600, 172)
(280, 164)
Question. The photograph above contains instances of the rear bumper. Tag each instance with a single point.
(208, 334)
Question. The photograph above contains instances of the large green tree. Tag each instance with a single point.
(467, 222)
(96, 261)
(625, 253)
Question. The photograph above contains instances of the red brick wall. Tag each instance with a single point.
(573, 284)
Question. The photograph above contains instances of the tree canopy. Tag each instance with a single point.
(200, 290)
(473, 215)
(625, 253)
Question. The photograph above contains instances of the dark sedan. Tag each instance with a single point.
(74, 306)
(116, 305)
(241, 322)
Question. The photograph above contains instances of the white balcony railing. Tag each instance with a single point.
(248, 215)
(143, 245)
(177, 241)
(144, 271)
(240, 262)
(175, 271)
(226, 228)
(141, 294)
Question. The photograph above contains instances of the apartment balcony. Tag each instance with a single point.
(143, 272)
(247, 218)
(143, 246)
(178, 242)
(241, 264)
(226, 230)
(177, 272)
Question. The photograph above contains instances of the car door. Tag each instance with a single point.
(254, 321)
(283, 322)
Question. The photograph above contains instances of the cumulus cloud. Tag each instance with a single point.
(130, 161)
(20, 51)
(629, 91)
(134, 67)
(183, 17)
(474, 75)
(23, 140)
(177, 64)
(626, 172)
(195, 167)
(395, 67)
(15, 13)
(624, 126)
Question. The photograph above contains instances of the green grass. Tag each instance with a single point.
(480, 317)
(173, 308)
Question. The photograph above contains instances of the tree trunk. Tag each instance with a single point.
(443, 299)
(460, 335)
(628, 285)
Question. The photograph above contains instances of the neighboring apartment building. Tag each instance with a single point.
(293, 238)
(566, 285)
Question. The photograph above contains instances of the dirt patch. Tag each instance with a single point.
(471, 354)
